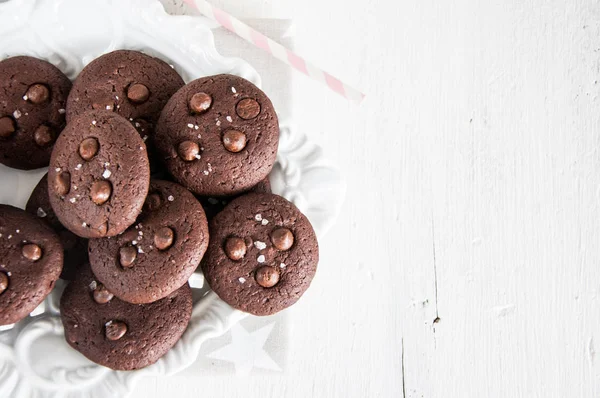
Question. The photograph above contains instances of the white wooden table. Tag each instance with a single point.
(467, 259)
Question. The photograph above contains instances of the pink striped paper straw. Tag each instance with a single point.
(276, 50)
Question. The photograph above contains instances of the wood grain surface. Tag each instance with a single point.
(466, 262)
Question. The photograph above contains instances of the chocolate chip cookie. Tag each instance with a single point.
(99, 175)
(31, 258)
(263, 254)
(159, 252)
(218, 135)
(75, 248)
(132, 84)
(120, 335)
(33, 94)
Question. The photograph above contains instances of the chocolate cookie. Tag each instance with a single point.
(75, 248)
(213, 206)
(263, 254)
(31, 258)
(99, 175)
(120, 335)
(132, 84)
(33, 94)
(218, 135)
(159, 252)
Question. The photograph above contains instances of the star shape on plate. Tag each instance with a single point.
(246, 350)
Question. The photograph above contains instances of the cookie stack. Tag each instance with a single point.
(137, 160)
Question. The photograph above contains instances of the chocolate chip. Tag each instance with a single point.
(3, 282)
(37, 94)
(106, 104)
(88, 148)
(115, 330)
(248, 108)
(153, 202)
(102, 229)
(100, 192)
(127, 256)
(234, 141)
(235, 248)
(32, 252)
(138, 93)
(188, 150)
(200, 102)
(7, 126)
(163, 238)
(282, 238)
(267, 276)
(43, 136)
(62, 183)
(102, 295)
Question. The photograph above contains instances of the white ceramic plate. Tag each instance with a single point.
(35, 361)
